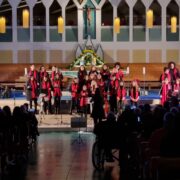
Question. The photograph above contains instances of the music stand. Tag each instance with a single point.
(78, 122)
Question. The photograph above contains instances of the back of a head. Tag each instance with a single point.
(111, 117)
(168, 121)
(7, 110)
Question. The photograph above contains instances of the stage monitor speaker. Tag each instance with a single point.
(65, 106)
(78, 122)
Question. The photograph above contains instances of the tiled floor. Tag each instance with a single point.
(59, 157)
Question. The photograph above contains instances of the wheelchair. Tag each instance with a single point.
(99, 155)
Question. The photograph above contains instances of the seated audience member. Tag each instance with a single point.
(159, 134)
(170, 144)
(106, 132)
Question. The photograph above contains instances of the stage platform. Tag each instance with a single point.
(62, 122)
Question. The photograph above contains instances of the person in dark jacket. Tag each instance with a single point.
(98, 111)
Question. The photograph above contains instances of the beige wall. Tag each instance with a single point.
(55, 56)
(6, 56)
(23, 56)
(139, 56)
(123, 56)
(108, 56)
(155, 56)
(69, 56)
(39, 56)
(172, 55)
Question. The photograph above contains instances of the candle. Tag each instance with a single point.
(25, 71)
(144, 70)
(127, 71)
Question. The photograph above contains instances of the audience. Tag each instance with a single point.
(18, 130)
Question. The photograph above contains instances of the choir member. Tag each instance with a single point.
(57, 93)
(46, 90)
(93, 71)
(176, 90)
(33, 72)
(165, 75)
(121, 95)
(84, 100)
(100, 84)
(81, 76)
(42, 73)
(74, 94)
(174, 73)
(32, 92)
(113, 94)
(56, 70)
(105, 73)
(117, 71)
(165, 91)
(134, 93)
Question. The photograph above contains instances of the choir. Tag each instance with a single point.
(170, 79)
(83, 88)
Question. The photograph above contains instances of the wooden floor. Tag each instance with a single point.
(57, 156)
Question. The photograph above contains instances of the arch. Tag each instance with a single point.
(39, 14)
(156, 7)
(139, 14)
(107, 14)
(123, 12)
(55, 11)
(21, 6)
(6, 11)
(71, 14)
(172, 10)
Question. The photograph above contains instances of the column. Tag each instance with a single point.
(64, 18)
(98, 25)
(163, 29)
(14, 23)
(130, 32)
(31, 23)
(80, 25)
(47, 24)
(130, 24)
(114, 16)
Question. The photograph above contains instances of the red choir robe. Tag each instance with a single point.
(32, 88)
(57, 88)
(34, 74)
(164, 76)
(74, 90)
(83, 98)
(46, 88)
(176, 89)
(132, 94)
(165, 92)
(121, 93)
(100, 84)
